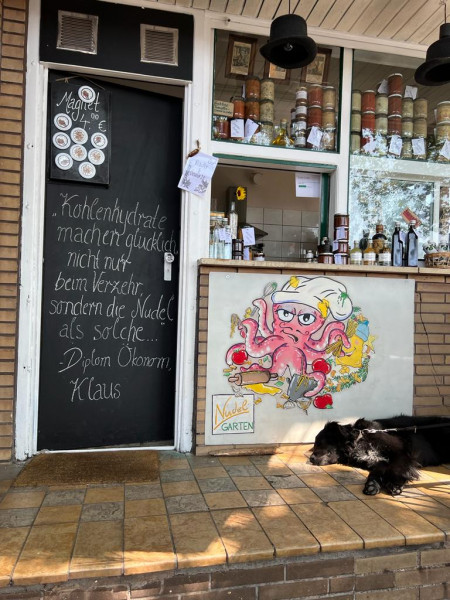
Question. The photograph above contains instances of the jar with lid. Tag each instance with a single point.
(252, 110)
(258, 253)
(356, 100)
(315, 95)
(407, 108)
(381, 104)
(329, 97)
(238, 107)
(221, 127)
(395, 83)
(266, 110)
(267, 89)
(395, 104)
(301, 94)
(252, 87)
(368, 101)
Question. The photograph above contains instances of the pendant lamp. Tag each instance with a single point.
(436, 68)
(289, 46)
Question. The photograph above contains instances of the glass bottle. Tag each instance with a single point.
(369, 256)
(379, 239)
(218, 240)
(364, 241)
(356, 257)
(227, 248)
(212, 248)
(384, 257)
(283, 138)
(233, 220)
(412, 246)
(397, 247)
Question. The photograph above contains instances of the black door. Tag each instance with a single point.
(109, 326)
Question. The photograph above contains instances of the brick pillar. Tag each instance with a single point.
(13, 18)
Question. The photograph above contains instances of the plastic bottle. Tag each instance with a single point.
(397, 247)
(412, 246)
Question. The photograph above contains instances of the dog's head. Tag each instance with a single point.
(331, 444)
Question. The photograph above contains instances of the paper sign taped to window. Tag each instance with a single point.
(307, 185)
(248, 236)
(410, 92)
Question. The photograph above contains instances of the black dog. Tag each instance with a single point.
(391, 457)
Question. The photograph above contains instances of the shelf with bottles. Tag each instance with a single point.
(395, 120)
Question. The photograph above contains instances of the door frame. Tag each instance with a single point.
(32, 238)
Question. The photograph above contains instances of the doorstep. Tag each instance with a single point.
(209, 511)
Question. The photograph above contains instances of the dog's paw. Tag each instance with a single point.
(395, 489)
(372, 487)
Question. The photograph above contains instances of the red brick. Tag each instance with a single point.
(247, 576)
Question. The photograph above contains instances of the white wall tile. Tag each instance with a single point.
(310, 219)
(290, 250)
(255, 215)
(273, 216)
(292, 234)
(272, 250)
(274, 233)
(310, 234)
(292, 217)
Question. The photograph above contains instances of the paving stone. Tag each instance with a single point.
(285, 482)
(262, 498)
(177, 475)
(103, 511)
(60, 497)
(18, 517)
(181, 504)
(142, 492)
(217, 484)
(242, 471)
(333, 493)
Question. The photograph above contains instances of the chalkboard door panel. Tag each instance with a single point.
(109, 319)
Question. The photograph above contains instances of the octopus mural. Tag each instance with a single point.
(300, 343)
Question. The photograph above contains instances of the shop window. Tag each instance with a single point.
(256, 102)
(400, 150)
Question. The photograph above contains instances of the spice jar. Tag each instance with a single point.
(356, 100)
(329, 97)
(315, 95)
(238, 107)
(301, 110)
(314, 117)
(368, 101)
(395, 83)
(420, 128)
(381, 124)
(407, 128)
(266, 110)
(394, 125)
(341, 220)
(221, 127)
(395, 104)
(407, 149)
(355, 121)
(443, 111)
(420, 108)
(267, 89)
(328, 119)
(443, 131)
(368, 120)
(252, 87)
(407, 108)
(329, 139)
(301, 94)
(381, 104)
(252, 110)
(355, 143)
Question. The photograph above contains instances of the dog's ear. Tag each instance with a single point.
(337, 430)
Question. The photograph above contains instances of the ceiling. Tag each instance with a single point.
(413, 21)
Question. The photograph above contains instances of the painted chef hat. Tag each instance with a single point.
(317, 292)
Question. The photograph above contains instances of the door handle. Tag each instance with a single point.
(168, 260)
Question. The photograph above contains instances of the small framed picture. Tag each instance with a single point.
(317, 71)
(240, 56)
(271, 71)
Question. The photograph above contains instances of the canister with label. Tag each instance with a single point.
(301, 94)
(238, 107)
(407, 108)
(315, 95)
(329, 97)
(252, 87)
(267, 89)
(395, 83)
(368, 101)
(356, 100)
(266, 110)
(381, 104)
(395, 104)
(420, 108)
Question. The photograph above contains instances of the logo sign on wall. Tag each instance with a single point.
(233, 414)
(80, 132)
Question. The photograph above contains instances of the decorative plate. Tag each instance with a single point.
(86, 93)
(62, 121)
(78, 152)
(63, 161)
(99, 140)
(87, 170)
(96, 156)
(61, 140)
(79, 135)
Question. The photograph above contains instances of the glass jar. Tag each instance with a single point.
(356, 100)
(315, 95)
(329, 97)
(395, 83)
(252, 110)
(355, 121)
(252, 87)
(368, 101)
(381, 104)
(267, 90)
(266, 110)
(395, 104)
(221, 127)
(238, 107)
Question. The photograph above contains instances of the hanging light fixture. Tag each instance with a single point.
(289, 46)
(436, 68)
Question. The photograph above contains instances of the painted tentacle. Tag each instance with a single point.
(261, 304)
(331, 332)
(321, 380)
(285, 357)
(256, 346)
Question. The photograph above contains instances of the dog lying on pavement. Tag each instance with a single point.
(392, 450)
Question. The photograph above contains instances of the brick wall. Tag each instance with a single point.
(12, 90)
(400, 574)
(431, 339)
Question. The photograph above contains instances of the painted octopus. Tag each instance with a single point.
(308, 315)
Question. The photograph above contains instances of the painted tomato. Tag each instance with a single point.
(239, 357)
(320, 364)
(325, 401)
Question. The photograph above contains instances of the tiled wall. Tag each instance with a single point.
(12, 91)
(290, 233)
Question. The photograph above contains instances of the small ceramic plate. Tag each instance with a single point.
(78, 152)
(79, 135)
(63, 161)
(96, 156)
(62, 121)
(99, 140)
(86, 93)
(86, 170)
(61, 140)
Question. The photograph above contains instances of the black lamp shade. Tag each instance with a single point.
(289, 46)
(436, 69)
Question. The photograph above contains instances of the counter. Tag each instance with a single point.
(428, 329)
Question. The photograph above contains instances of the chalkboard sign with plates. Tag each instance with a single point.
(80, 132)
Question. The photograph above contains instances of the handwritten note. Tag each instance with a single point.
(248, 235)
(445, 150)
(383, 87)
(418, 146)
(197, 173)
(315, 137)
(410, 92)
(395, 147)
